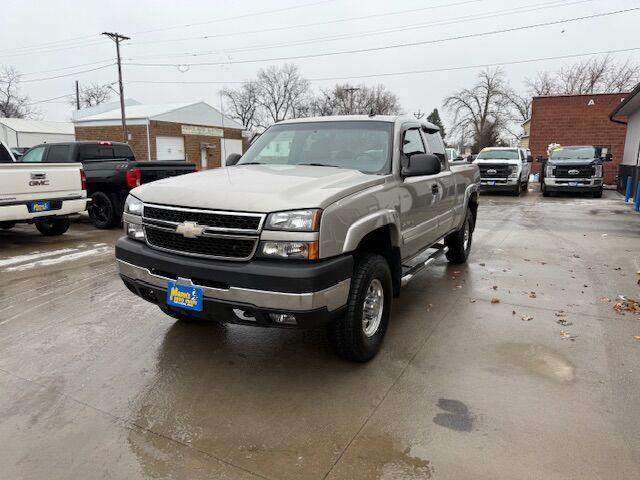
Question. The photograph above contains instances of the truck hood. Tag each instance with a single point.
(258, 188)
(576, 162)
(497, 161)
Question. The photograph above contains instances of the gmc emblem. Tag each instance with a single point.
(39, 183)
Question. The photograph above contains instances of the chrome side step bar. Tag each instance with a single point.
(413, 270)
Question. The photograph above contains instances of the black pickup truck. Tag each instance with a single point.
(111, 171)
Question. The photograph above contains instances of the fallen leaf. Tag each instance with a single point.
(495, 300)
(637, 337)
(564, 322)
(626, 305)
(481, 264)
(532, 295)
(429, 307)
(527, 318)
(565, 335)
(473, 300)
(495, 287)
(513, 312)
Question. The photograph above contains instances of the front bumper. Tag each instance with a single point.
(577, 185)
(498, 184)
(20, 212)
(313, 292)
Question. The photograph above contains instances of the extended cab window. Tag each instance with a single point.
(436, 147)
(58, 154)
(357, 145)
(95, 152)
(123, 151)
(34, 155)
(412, 142)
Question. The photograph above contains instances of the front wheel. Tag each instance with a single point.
(597, 194)
(517, 189)
(51, 227)
(358, 335)
(459, 242)
(545, 192)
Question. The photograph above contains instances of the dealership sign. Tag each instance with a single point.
(202, 131)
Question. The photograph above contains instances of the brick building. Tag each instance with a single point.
(578, 120)
(196, 132)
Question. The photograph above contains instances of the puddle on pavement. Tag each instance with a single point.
(458, 418)
(538, 360)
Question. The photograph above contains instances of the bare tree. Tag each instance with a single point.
(94, 94)
(348, 99)
(243, 103)
(282, 92)
(483, 111)
(12, 103)
(543, 84)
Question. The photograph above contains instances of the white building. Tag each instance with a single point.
(19, 132)
(628, 112)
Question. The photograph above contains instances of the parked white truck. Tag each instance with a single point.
(320, 221)
(504, 169)
(43, 194)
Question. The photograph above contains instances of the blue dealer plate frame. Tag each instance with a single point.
(40, 206)
(186, 297)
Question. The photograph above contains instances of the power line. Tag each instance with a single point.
(314, 24)
(47, 44)
(67, 74)
(406, 72)
(50, 99)
(67, 68)
(394, 46)
(55, 49)
(369, 33)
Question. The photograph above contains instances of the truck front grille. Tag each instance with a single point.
(573, 171)
(214, 220)
(219, 246)
(488, 170)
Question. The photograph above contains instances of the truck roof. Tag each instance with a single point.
(362, 118)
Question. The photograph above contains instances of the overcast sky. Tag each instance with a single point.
(49, 36)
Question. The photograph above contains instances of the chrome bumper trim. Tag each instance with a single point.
(332, 298)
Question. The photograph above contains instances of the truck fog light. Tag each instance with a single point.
(283, 318)
(134, 230)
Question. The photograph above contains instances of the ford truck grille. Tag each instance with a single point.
(214, 220)
(223, 247)
(573, 171)
(202, 233)
(488, 170)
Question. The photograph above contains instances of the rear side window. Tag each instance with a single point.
(436, 147)
(33, 155)
(58, 154)
(5, 157)
(95, 152)
(123, 151)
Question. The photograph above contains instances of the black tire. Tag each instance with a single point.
(348, 334)
(53, 226)
(105, 210)
(459, 248)
(7, 225)
(598, 194)
(545, 192)
(517, 189)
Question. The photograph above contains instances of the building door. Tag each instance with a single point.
(170, 148)
(229, 146)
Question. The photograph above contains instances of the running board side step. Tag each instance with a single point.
(413, 270)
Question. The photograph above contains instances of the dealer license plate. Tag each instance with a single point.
(40, 206)
(573, 184)
(186, 297)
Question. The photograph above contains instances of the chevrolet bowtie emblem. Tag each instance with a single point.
(190, 229)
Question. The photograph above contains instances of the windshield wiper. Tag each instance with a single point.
(318, 165)
(251, 163)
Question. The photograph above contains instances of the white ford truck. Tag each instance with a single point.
(505, 169)
(321, 221)
(43, 194)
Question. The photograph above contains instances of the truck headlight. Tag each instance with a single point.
(295, 220)
(550, 170)
(290, 250)
(597, 171)
(513, 170)
(132, 217)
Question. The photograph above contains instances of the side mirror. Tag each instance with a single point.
(421, 164)
(608, 157)
(529, 159)
(541, 159)
(470, 158)
(458, 159)
(232, 159)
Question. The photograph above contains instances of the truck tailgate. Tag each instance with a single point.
(156, 170)
(25, 181)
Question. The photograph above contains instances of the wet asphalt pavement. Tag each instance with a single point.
(96, 383)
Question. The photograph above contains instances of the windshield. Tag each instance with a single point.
(498, 155)
(364, 146)
(574, 153)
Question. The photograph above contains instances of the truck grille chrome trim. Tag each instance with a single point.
(210, 234)
(331, 298)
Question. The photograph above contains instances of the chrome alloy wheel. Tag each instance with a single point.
(372, 308)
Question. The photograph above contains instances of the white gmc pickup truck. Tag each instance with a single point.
(44, 193)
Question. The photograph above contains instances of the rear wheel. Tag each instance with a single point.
(7, 225)
(597, 194)
(51, 227)
(105, 211)
(358, 335)
(459, 242)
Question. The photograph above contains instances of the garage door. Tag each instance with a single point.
(170, 148)
(230, 146)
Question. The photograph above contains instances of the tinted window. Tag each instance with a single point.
(5, 157)
(495, 154)
(412, 142)
(95, 152)
(58, 154)
(574, 153)
(123, 151)
(34, 155)
(436, 145)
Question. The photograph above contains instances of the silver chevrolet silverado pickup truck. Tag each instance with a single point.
(321, 221)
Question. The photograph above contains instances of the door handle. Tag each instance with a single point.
(434, 189)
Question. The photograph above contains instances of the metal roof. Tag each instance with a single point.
(22, 125)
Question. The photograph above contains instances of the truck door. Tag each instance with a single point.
(445, 200)
(418, 211)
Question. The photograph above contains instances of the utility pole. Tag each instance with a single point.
(77, 95)
(116, 37)
(351, 91)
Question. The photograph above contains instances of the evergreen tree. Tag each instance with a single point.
(434, 117)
